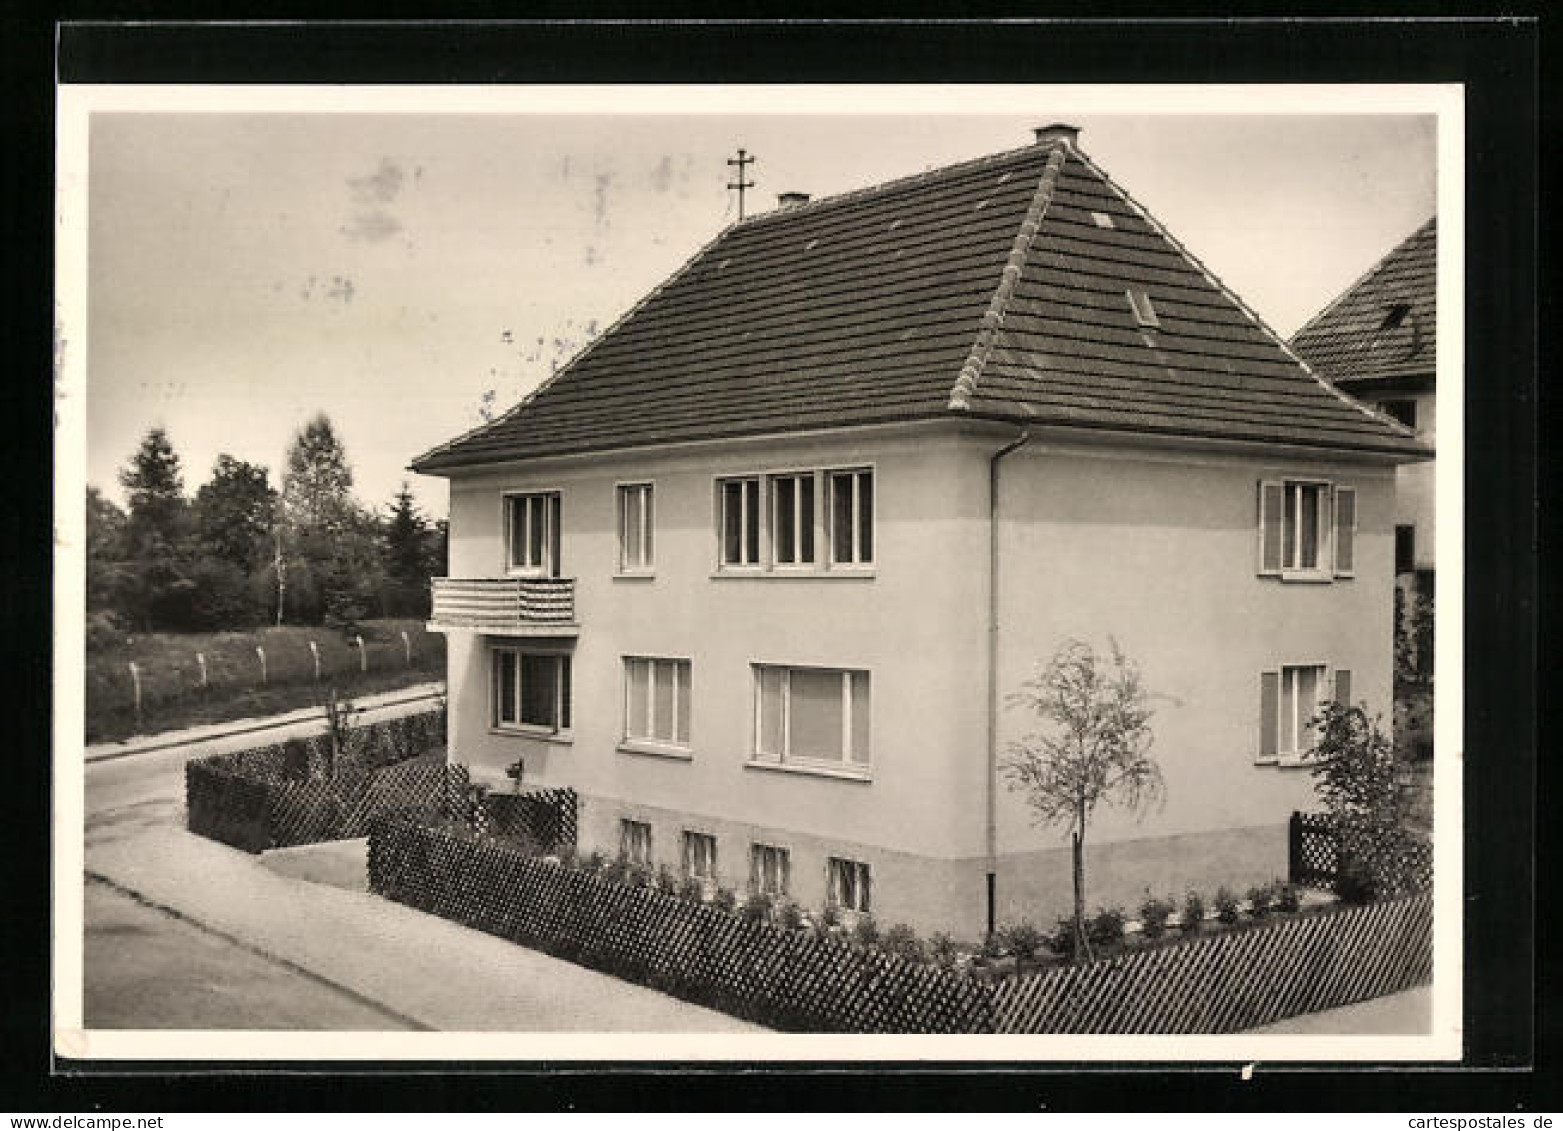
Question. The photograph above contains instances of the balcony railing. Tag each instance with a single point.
(524, 605)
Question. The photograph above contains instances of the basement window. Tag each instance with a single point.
(1140, 304)
(1102, 220)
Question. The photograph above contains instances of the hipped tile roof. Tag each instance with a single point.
(1348, 341)
(984, 289)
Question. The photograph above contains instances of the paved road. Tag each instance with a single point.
(178, 926)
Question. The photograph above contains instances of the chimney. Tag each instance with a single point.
(1057, 131)
(791, 199)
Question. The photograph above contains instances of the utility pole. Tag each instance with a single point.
(741, 162)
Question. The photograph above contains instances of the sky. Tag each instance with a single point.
(246, 271)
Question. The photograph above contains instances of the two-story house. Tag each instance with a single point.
(756, 572)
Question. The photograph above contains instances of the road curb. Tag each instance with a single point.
(256, 727)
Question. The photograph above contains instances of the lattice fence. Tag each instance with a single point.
(302, 792)
(784, 979)
(544, 819)
(1232, 981)
(1318, 844)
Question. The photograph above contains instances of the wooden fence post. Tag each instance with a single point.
(407, 647)
(1294, 848)
(135, 679)
(314, 651)
(363, 657)
(261, 652)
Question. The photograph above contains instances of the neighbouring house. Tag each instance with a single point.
(755, 573)
(1378, 341)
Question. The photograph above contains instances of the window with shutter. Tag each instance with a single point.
(1306, 530)
(1343, 686)
(1271, 511)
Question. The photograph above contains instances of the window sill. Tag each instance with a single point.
(652, 750)
(810, 770)
(792, 573)
(636, 575)
(537, 734)
(1309, 578)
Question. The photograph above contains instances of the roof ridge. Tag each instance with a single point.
(1233, 298)
(579, 354)
(993, 318)
(893, 183)
(1373, 270)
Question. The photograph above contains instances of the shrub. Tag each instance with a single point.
(902, 941)
(616, 870)
(756, 908)
(865, 932)
(1063, 939)
(1106, 926)
(789, 917)
(1154, 914)
(1261, 900)
(639, 875)
(1287, 897)
(666, 880)
(724, 900)
(691, 890)
(1193, 911)
(1226, 906)
(992, 945)
(941, 948)
(829, 916)
(1023, 940)
(1355, 881)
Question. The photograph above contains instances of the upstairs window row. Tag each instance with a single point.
(767, 522)
(772, 522)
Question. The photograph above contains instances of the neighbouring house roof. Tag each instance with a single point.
(993, 289)
(1385, 325)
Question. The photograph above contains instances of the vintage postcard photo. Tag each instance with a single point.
(759, 573)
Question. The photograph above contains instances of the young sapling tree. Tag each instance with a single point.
(1093, 749)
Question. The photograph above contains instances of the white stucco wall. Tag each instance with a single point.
(1160, 553)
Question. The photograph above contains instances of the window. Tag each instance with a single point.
(1405, 549)
(847, 885)
(1394, 315)
(532, 533)
(770, 869)
(1403, 411)
(636, 519)
(1140, 304)
(699, 855)
(635, 842)
(792, 519)
(818, 715)
(740, 520)
(1102, 220)
(852, 517)
(1307, 530)
(531, 690)
(656, 701)
(1289, 699)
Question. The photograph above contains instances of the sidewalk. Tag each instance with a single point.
(1410, 1011)
(420, 967)
(422, 695)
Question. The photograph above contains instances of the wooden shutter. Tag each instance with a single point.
(1269, 715)
(1272, 507)
(1345, 531)
(1343, 686)
(553, 534)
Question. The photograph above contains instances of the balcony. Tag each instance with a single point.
(514, 606)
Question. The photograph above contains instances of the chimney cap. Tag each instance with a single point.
(1057, 131)
(791, 199)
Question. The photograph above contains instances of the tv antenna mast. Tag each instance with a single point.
(742, 163)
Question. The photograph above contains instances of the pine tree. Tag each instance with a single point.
(317, 486)
(157, 586)
(406, 540)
